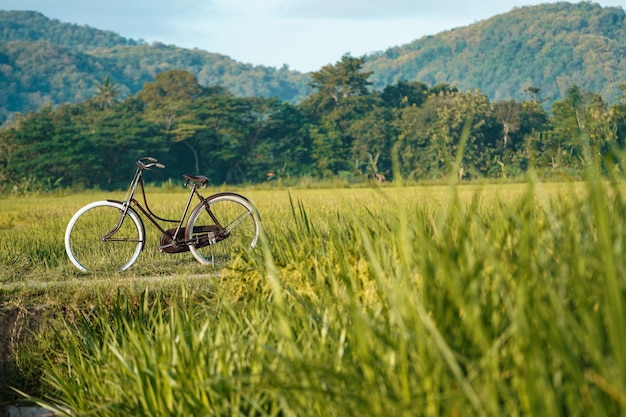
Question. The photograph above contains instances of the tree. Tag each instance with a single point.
(106, 93)
(170, 102)
(373, 135)
(598, 127)
(580, 122)
(452, 130)
(284, 146)
(168, 95)
(334, 84)
(117, 138)
(414, 126)
(534, 125)
(617, 114)
(341, 98)
(404, 94)
(508, 113)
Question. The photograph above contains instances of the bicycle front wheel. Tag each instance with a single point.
(84, 237)
(237, 222)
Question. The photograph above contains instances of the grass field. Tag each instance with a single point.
(483, 300)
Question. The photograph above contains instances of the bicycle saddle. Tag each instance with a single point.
(197, 179)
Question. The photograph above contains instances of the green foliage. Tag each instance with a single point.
(44, 61)
(82, 145)
(552, 45)
(431, 142)
(427, 301)
(340, 130)
(203, 113)
(33, 26)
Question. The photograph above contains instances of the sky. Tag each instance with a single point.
(304, 35)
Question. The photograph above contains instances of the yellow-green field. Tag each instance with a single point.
(32, 228)
(429, 300)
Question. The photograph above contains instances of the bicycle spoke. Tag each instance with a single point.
(85, 244)
(235, 214)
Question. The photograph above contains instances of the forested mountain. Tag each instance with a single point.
(45, 61)
(548, 47)
(32, 27)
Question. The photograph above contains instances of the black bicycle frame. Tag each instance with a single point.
(150, 215)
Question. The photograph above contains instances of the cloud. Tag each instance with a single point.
(385, 9)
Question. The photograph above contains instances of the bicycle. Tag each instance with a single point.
(110, 234)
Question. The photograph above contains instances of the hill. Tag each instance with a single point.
(45, 61)
(550, 46)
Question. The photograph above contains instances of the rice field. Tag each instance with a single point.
(459, 300)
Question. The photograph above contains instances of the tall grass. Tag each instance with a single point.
(487, 302)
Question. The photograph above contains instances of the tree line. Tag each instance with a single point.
(342, 129)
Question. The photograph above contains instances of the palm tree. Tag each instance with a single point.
(106, 93)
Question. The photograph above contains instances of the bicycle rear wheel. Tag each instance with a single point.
(84, 242)
(236, 215)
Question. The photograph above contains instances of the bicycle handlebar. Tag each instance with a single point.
(151, 162)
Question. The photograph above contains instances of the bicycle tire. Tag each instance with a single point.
(86, 248)
(235, 213)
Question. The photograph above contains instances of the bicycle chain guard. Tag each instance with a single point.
(203, 236)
